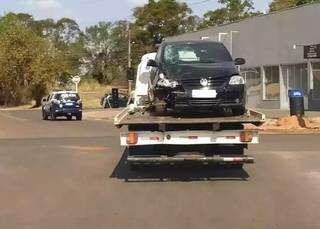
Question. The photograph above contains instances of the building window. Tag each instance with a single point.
(271, 83)
(316, 80)
(252, 78)
(296, 77)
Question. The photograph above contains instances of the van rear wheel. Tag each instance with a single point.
(44, 115)
(53, 116)
(79, 117)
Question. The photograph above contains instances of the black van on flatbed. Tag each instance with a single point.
(196, 75)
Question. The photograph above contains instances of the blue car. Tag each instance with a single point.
(62, 104)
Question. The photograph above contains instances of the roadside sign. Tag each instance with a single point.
(312, 51)
(76, 79)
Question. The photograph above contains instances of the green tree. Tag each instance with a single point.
(232, 10)
(106, 46)
(168, 17)
(65, 35)
(276, 5)
(29, 64)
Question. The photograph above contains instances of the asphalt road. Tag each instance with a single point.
(72, 175)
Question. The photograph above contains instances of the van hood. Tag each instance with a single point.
(198, 71)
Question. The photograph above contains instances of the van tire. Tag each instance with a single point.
(79, 117)
(44, 115)
(53, 116)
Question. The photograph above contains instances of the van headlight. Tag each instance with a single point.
(164, 82)
(236, 80)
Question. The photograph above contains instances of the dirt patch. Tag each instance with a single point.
(289, 124)
(103, 114)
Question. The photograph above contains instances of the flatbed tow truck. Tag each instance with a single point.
(174, 138)
(171, 139)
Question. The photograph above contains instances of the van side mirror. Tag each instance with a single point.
(239, 61)
(44, 99)
(158, 38)
(152, 63)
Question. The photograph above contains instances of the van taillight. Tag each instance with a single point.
(246, 136)
(132, 138)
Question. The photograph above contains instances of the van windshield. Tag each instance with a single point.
(193, 53)
(67, 97)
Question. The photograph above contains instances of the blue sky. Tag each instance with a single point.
(89, 12)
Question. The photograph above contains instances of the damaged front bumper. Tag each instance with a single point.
(231, 96)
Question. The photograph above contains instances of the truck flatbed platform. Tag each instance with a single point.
(145, 118)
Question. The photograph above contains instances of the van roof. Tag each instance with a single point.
(64, 92)
(191, 42)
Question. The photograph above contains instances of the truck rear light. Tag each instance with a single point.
(193, 137)
(231, 137)
(132, 138)
(154, 138)
(246, 136)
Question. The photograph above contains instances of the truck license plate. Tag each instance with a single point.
(204, 94)
(69, 104)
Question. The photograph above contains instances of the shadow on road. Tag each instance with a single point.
(183, 173)
(63, 120)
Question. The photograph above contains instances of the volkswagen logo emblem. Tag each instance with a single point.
(204, 82)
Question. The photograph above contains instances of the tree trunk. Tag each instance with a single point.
(38, 102)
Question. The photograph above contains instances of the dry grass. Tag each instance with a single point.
(28, 106)
(91, 93)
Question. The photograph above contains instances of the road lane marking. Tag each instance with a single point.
(13, 117)
(86, 148)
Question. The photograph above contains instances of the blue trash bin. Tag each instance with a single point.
(296, 102)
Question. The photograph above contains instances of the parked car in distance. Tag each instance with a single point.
(196, 75)
(62, 103)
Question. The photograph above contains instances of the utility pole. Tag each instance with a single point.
(129, 57)
(129, 45)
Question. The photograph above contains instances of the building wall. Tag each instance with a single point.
(268, 40)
